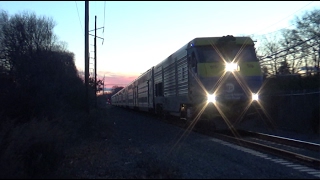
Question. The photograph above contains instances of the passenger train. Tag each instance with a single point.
(206, 78)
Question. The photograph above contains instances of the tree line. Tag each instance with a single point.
(38, 76)
(286, 51)
(42, 98)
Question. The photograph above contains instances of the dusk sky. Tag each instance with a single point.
(140, 34)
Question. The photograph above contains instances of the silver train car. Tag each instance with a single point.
(208, 77)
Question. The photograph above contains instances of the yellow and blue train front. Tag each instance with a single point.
(230, 87)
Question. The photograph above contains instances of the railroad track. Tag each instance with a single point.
(302, 152)
(298, 151)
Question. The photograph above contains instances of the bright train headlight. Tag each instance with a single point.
(255, 97)
(232, 67)
(211, 98)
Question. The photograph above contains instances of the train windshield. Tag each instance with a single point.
(209, 54)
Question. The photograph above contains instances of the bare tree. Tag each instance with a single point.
(306, 37)
(24, 35)
(4, 64)
(289, 43)
(297, 47)
(43, 70)
(269, 47)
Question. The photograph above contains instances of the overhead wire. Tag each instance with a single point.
(79, 16)
(104, 15)
(273, 32)
(284, 18)
(286, 49)
(301, 55)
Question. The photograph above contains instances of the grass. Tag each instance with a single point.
(69, 146)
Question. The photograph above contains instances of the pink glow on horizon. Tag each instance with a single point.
(113, 79)
(121, 80)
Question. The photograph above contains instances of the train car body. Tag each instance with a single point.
(206, 78)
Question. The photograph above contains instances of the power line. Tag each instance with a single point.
(286, 49)
(285, 18)
(301, 56)
(104, 16)
(78, 15)
(274, 31)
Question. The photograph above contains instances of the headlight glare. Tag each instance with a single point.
(232, 67)
(211, 98)
(255, 97)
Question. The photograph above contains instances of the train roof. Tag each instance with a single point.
(202, 41)
(207, 41)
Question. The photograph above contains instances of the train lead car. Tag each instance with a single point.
(206, 78)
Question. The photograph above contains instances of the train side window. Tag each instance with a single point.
(159, 89)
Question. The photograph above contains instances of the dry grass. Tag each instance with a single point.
(71, 146)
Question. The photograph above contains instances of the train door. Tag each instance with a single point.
(148, 93)
(193, 84)
(137, 97)
(150, 83)
(134, 96)
(151, 90)
(187, 111)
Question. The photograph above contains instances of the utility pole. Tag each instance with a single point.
(86, 53)
(95, 58)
